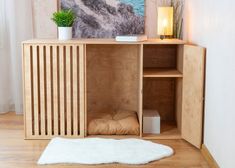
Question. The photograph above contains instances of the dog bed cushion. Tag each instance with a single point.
(120, 122)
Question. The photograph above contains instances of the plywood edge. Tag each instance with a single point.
(47, 137)
(162, 73)
(209, 158)
(82, 85)
(102, 41)
(141, 89)
(23, 85)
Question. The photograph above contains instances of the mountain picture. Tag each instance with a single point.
(106, 18)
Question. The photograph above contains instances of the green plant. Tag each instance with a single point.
(64, 18)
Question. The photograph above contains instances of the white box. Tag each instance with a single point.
(151, 122)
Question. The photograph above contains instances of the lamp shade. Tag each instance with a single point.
(165, 20)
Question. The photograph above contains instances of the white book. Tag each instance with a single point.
(131, 38)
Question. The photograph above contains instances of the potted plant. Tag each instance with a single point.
(64, 19)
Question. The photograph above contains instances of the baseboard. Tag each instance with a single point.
(209, 158)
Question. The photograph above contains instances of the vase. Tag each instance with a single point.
(65, 33)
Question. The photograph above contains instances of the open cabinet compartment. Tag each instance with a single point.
(163, 95)
(112, 79)
(162, 87)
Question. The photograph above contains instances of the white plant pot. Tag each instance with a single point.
(65, 33)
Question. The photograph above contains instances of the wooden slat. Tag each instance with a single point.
(85, 90)
(140, 103)
(68, 91)
(54, 81)
(193, 92)
(35, 91)
(62, 89)
(75, 90)
(27, 58)
(42, 90)
(49, 79)
(82, 108)
(55, 91)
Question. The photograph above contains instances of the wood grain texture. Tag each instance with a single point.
(160, 56)
(68, 88)
(50, 102)
(209, 158)
(64, 81)
(42, 89)
(103, 41)
(140, 91)
(15, 152)
(82, 88)
(178, 103)
(179, 87)
(169, 130)
(193, 94)
(27, 87)
(55, 91)
(159, 94)
(75, 89)
(112, 77)
(161, 73)
(35, 98)
(49, 99)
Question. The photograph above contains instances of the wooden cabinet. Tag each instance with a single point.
(64, 81)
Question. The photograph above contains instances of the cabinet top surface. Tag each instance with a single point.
(102, 41)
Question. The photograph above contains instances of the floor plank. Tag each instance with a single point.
(15, 152)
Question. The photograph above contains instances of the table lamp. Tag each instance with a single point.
(165, 21)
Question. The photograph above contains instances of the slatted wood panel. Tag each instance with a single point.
(51, 90)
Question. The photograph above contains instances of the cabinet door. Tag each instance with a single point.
(53, 78)
(193, 94)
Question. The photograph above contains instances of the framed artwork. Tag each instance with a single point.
(106, 18)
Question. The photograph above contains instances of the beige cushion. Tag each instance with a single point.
(121, 122)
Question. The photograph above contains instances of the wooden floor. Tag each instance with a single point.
(15, 152)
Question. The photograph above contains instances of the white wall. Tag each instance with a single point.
(211, 23)
(43, 26)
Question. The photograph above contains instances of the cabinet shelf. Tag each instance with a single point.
(161, 73)
(169, 130)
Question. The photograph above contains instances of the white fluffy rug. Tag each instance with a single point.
(99, 151)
